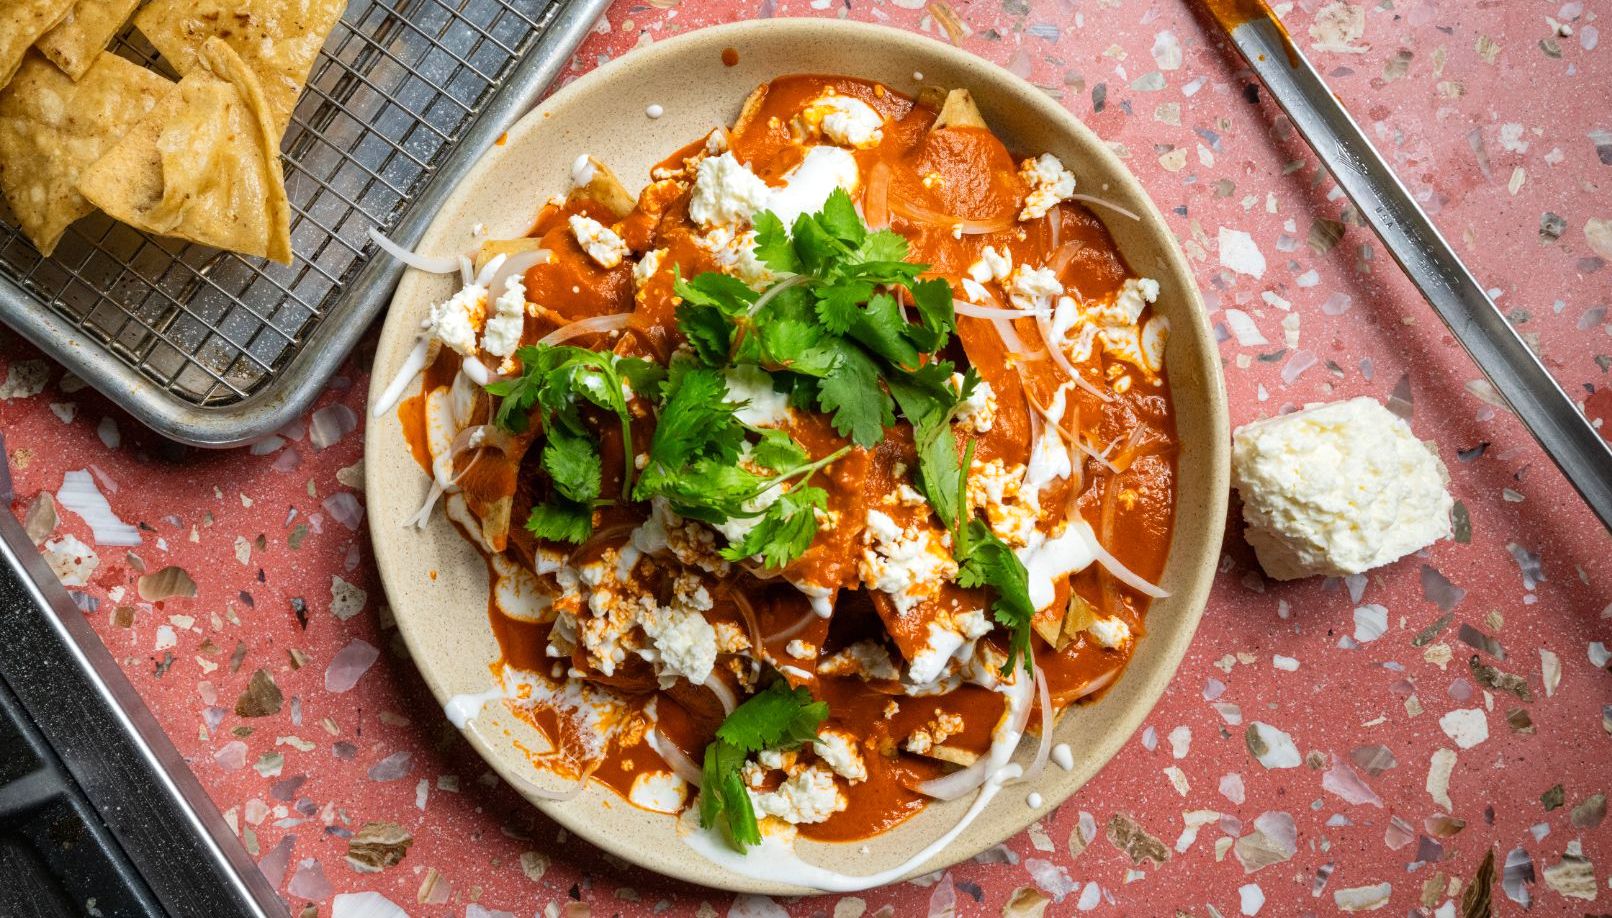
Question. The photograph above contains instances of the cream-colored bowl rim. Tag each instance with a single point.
(432, 577)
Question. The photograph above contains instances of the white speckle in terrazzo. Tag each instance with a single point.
(1250, 898)
(1467, 727)
(1273, 748)
(1240, 253)
(1371, 623)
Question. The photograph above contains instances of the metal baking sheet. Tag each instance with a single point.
(213, 349)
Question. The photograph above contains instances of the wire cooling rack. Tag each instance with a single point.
(215, 349)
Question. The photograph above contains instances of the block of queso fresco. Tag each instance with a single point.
(1338, 489)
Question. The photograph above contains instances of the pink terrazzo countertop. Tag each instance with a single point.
(1413, 754)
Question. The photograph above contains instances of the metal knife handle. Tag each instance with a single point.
(1559, 426)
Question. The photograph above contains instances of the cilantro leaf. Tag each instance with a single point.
(775, 718)
(555, 379)
(777, 451)
(784, 532)
(990, 563)
(840, 219)
(772, 244)
(572, 463)
(723, 798)
(708, 331)
(852, 394)
(695, 420)
(882, 245)
(561, 520)
(881, 328)
(933, 298)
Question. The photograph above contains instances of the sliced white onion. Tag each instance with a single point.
(1004, 740)
(722, 692)
(490, 268)
(1100, 457)
(441, 483)
(1011, 340)
(974, 310)
(1089, 199)
(1054, 227)
(968, 227)
(794, 629)
(1095, 685)
(1112, 564)
(674, 756)
(516, 266)
(614, 321)
(418, 359)
(1043, 323)
(1044, 750)
(446, 264)
(876, 198)
(476, 371)
(467, 270)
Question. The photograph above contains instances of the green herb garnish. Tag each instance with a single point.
(556, 382)
(778, 718)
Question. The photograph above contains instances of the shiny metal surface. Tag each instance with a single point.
(188, 860)
(213, 349)
(1516, 373)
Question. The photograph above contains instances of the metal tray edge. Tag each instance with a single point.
(298, 384)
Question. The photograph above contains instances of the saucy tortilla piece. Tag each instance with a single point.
(52, 129)
(84, 33)
(204, 165)
(21, 24)
(279, 39)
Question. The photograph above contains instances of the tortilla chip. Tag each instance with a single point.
(21, 24)
(279, 39)
(83, 33)
(204, 165)
(52, 129)
(959, 111)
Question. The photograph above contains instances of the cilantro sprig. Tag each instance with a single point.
(704, 464)
(778, 718)
(835, 326)
(555, 383)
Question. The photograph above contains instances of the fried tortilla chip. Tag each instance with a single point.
(959, 111)
(84, 33)
(277, 38)
(204, 165)
(21, 24)
(52, 129)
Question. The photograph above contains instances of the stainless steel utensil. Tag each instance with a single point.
(1559, 426)
(213, 349)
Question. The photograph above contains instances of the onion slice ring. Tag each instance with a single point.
(976, 311)
(1116, 208)
(1044, 749)
(516, 266)
(446, 264)
(1112, 564)
(673, 755)
(609, 322)
(418, 359)
(1043, 323)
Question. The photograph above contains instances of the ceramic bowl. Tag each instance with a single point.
(437, 583)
